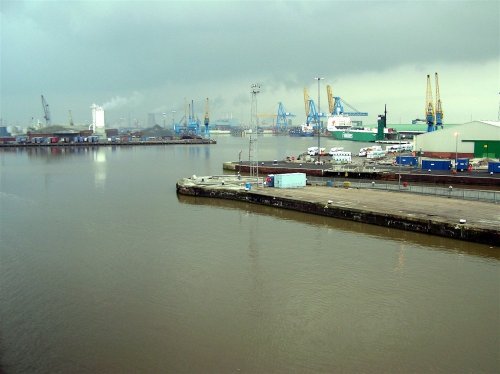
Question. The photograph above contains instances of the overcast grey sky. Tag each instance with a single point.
(136, 57)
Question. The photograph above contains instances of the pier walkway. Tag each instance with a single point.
(476, 221)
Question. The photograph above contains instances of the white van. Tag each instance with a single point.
(313, 151)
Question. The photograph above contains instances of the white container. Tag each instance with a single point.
(290, 180)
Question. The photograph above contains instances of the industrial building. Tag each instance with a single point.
(477, 139)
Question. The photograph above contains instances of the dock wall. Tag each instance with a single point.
(392, 220)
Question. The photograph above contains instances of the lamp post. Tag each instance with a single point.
(319, 121)
(456, 149)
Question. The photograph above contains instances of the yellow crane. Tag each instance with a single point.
(306, 101)
(331, 101)
(429, 107)
(439, 108)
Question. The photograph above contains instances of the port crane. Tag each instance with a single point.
(193, 125)
(206, 120)
(71, 123)
(439, 108)
(46, 111)
(189, 123)
(282, 117)
(312, 115)
(336, 105)
(429, 107)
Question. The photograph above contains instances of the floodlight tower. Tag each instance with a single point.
(254, 123)
(319, 119)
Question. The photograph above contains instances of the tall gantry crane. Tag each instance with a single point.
(71, 123)
(282, 118)
(429, 107)
(306, 102)
(46, 111)
(336, 105)
(312, 116)
(439, 108)
(206, 121)
(331, 100)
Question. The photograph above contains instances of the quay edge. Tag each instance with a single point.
(306, 200)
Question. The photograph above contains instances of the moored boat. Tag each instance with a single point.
(304, 130)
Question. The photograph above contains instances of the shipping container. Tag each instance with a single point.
(493, 167)
(407, 160)
(436, 164)
(462, 164)
(290, 180)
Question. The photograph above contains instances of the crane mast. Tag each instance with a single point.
(207, 119)
(46, 111)
(331, 102)
(429, 107)
(439, 108)
(71, 123)
(306, 102)
(282, 117)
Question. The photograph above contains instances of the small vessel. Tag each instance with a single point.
(341, 127)
(304, 130)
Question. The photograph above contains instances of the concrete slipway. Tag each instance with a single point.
(433, 215)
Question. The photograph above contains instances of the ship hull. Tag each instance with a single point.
(355, 136)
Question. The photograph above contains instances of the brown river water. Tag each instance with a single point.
(104, 269)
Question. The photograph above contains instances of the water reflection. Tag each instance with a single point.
(55, 153)
(430, 241)
(99, 169)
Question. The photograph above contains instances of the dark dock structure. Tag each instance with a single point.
(475, 221)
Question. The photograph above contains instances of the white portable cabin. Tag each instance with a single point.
(341, 157)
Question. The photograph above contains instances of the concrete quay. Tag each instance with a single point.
(373, 171)
(473, 221)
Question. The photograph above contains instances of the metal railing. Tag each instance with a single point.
(451, 192)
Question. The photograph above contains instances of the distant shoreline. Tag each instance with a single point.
(111, 144)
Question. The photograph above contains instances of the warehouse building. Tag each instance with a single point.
(477, 139)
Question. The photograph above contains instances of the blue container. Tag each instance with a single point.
(407, 160)
(248, 186)
(436, 164)
(462, 164)
(493, 167)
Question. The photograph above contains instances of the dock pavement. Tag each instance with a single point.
(467, 220)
